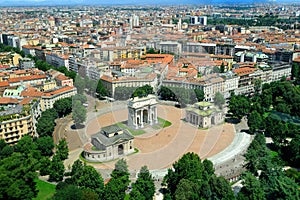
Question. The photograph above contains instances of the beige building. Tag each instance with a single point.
(111, 83)
(19, 120)
(204, 115)
(110, 143)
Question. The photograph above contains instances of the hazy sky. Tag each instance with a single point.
(138, 2)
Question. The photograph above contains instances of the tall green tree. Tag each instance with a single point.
(63, 106)
(188, 167)
(87, 177)
(101, 90)
(219, 100)
(78, 112)
(254, 121)
(239, 106)
(199, 94)
(252, 188)
(79, 84)
(57, 169)
(144, 186)
(45, 145)
(62, 150)
(116, 187)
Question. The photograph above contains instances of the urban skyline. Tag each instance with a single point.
(133, 2)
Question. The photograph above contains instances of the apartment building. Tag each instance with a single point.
(18, 118)
(111, 83)
(57, 60)
(49, 97)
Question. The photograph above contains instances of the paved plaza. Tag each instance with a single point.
(158, 149)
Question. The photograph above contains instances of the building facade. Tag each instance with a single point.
(204, 115)
(110, 143)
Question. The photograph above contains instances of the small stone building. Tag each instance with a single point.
(110, 143)
(204, 114)
(142, 111)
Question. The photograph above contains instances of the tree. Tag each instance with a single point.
(252, 189)
(166, 93)
(57, 169)
(5, 150)
(220, 188)
(186, 189)
(257, 86)
(199, 94)
(87, 177)
(144, 186)
(295, 71)
(239, 106)
(78, 113)
(45, 127)
(67, 192)
(63, 106)
(45, 164)
(17, 177)
(188, 167)
(101, 90)
(222, 68)
(254, 121)
(25, 145)
(142, 91)
(116, 187)
(62, 150)
(294, 151)
(219, 100)
(45, 145)
(80, 97)
(79, 84)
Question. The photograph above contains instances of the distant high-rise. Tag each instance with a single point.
(135, 20)
(198, 20)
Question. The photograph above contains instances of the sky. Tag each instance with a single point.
(131, 2)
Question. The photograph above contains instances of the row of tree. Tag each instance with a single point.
(182, 95)
(84, 182)
(265, 178)
(274, 111)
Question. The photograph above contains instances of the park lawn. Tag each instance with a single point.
(162, 123)
(46, 190)
(132, 131)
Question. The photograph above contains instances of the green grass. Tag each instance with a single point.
(162, 123)
(132, 131)
(46, 190)
(126, 197)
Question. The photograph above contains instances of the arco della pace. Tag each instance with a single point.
(113, 142)
(142, 111)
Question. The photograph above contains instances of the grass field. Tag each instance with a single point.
(46, 190)
(132, 131)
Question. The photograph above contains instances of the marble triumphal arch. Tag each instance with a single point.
(141, 111)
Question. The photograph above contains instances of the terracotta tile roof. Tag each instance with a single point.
(244, 70)
(4, 84)
(26, 78)
(26, 101)
(62, 77)
(31, 92)
(8, 100)
(58, 91)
